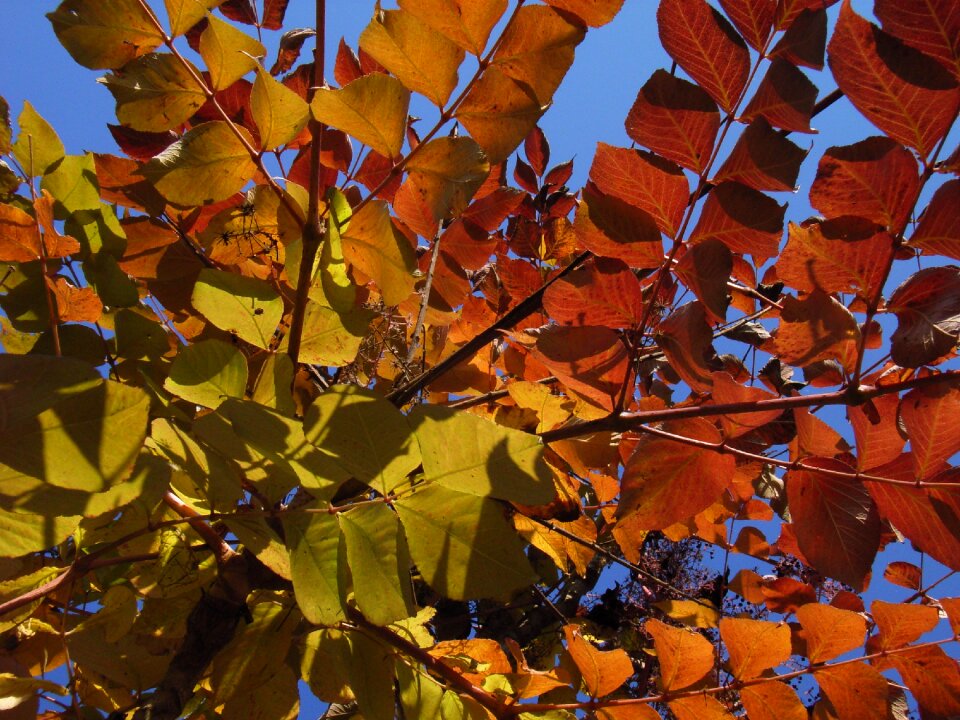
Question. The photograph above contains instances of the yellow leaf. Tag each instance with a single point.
(279, 112)
(692, 613)
(155, 93)
(104, 33)
(228, 52)
(466, 22)
(422, 59)
(373, 246)
(184, 14)
(372, 108)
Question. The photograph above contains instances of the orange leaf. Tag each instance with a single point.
(903, 574)
(931, 26)
(763, 159)
(705, 268)
(687, 341)
(951, 606)
(772, 701)
(815, 437)
(875, 179)
(610, 227)
(727, 390)
(908, 95)
(939, 228)
(823, 256)
(75, 304)
(746, 221)
(628, 712)
(593, 12)
(474, 658)
(786, 98)
(835, 520)
(785, 595)
(685, 656)
(930, 417)
(707, 47)
(19, 240)
(876, 431)
(590, 361)
(603, 292)
(754, 645)
(643, 180)
(665, 482)
(933, 677)
(748, 585)
(900, 625)
(927, 305)
(817, 327)
(699, 707)
(830, 631)
(675, 118)
(466, 22)
(856, 690)
(602, 671)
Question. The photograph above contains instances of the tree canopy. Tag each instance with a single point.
(302, 394)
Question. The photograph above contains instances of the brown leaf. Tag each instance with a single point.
(836, 523)
(786, 98)
(927, 306)
(819, 257)
(665, 481)
(746, 221)
(707, 47)
(909, 96)
(763, 159)
(643, 180)
(603, 292)
(610, 227)
(754, 645)
(875, 179)
(939, 228)
(829, 632)
(602, 672)
(241, 11)
(930, 26)
(753, 18)
(291, 42)
(687, 341)
(903, 574)
(273, 12)
(675, 118)
(685, 656)
(141, 145)
(705, 268)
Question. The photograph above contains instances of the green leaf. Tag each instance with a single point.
(36, 136)
(380, 252)
(379, 563)
(6, 132)
(420, 695)
(281, 440)
(23, 533)
(372, 108)
(113, 285)
(63, 429)
(228, 52)
(15, 587)
(367, 435)
(467, 453)
(371, 676)
(208, 372)
(213, 476)
(73, 184)
(209, 163)
(184, 14)
(274, 382)
(155, 93)
(422, 59)
(102, 34)
(462, 544)
(279, 112)
(332, 338)
(445, 173)
(247, 307)
(314, 540)
(338, 288)
(258, 537)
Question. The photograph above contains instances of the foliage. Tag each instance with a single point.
(295, 388)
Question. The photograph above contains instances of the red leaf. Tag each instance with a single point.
(141, 145)
(489, 212)
(930, 417)
(685, 338)
(930, 26)
(875, 179)
(763, 159)
(273, 12)
(835, 520)
(785, 595)
(643, 180)
(805, 40)
(603, 292)
(376, 168)
(591, 361)
(753, 18)
(119, 184)
(346, 68)
(707, 47)
(939, 228)
(526, 177)
(676, 119)
(785, 98)
(746, 221)
(876, 432)
(816, 328)
(818, 258)
(468, 244)
(610, 227)
(903, 92)
(537, 150)
(241, 11)
(666, 482)
(727, 390)
(705, 268)
(927, 305)
(559, 174)
(789, 10)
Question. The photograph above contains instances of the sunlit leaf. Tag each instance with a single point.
(228, 52)
(465, 22)
(184, 14)
(104, 33)
(763, 159)
(685, 656)
(314, 541)
(372, 109)
(939, 227)
(602, 671)
(279, 112)
(610, 227)
(856, 690)
(746, 221)
(691, 613)
(155, 93)
(772, 701)
(786, 98)
(208, 372)
(246, 307)
(754, 645)
(38, 147)
(927, 305)
(816, 327)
